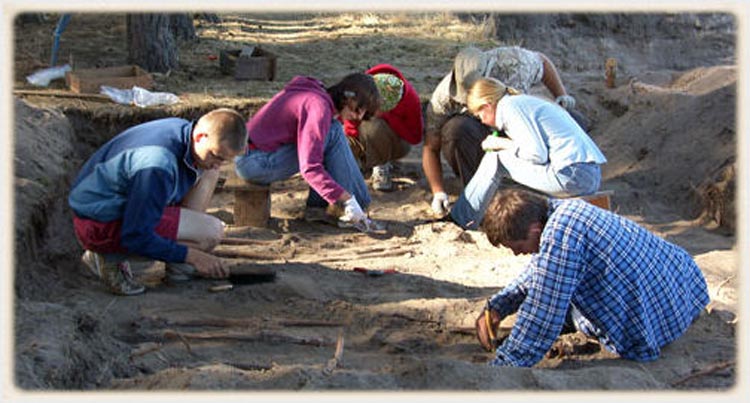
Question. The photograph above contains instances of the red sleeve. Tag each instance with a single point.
(351, 128)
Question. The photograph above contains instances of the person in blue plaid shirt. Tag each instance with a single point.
(611, 278)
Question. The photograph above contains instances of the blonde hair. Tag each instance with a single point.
(487, 90)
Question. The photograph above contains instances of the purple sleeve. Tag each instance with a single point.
(314, 125)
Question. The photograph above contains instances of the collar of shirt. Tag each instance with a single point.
(187, 158)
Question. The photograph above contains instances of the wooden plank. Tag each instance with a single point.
(61, 94)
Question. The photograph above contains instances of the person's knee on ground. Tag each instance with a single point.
(461, 138)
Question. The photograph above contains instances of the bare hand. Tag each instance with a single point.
(486, 339)
(206, 264)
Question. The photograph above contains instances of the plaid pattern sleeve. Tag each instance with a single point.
(640, 290)
(507, 301)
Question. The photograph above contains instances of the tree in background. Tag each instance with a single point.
(152, 39)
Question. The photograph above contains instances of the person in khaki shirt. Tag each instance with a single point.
(450, 130)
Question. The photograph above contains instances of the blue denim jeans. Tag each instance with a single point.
(266, 167)
(573, 180)
(586, 327)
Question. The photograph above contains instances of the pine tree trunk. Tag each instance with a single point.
(209, 17)
(151, 43)
(182, 26)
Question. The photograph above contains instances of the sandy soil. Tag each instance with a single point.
(668, 130)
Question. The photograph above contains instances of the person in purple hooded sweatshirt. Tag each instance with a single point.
(298, 131)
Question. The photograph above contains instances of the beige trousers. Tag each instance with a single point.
(377, 144)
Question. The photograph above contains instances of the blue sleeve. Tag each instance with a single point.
(148, 195)
(507, 301)
(555, 275)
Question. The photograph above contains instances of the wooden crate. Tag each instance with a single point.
(125, 77)
(601, 199)
(248, 63)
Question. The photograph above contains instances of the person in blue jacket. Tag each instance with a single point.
(144, 193)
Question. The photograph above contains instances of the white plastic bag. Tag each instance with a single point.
(43, 77)
(120, 96)
(143, 97)
(139, 96)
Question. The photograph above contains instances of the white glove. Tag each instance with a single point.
(353, 212)
(566, 101)
(494, 143)
(440, 203)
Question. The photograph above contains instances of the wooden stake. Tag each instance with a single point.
(48, 93)
(246, 322)
(263, 336)
(171, 334)
(249, 366)
(706, 371)
(145, 349)
(334, 362)
(246, 241)
(241, 254)
(373, 255)
(610, 71)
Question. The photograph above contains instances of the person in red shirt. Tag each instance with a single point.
(389, 135)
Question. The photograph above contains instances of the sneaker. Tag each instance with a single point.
(116, 276)
(179, 272)
(381, 177)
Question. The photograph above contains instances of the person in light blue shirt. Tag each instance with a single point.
(538, 145)
(613, 279)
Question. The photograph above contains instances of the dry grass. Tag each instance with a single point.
(323, 45)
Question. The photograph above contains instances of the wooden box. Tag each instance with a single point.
(124, 77)
(248, 63)
(600, 199)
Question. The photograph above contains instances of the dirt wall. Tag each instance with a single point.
(581, 42)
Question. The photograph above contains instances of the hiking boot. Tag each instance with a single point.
(381, 177)
(116, 276)
(179, 272)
